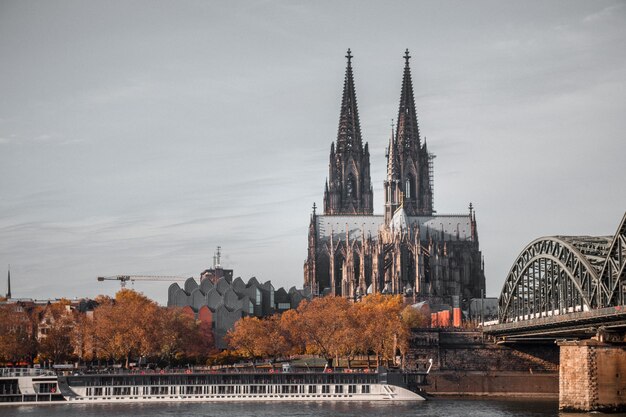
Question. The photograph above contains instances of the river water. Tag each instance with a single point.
(430, 408)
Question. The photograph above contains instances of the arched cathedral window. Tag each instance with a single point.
(350, 187)
(409, 187)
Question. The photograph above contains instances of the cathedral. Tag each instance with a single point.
(408, 250)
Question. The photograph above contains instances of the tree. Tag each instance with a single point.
(413, 317)
(125, 328)
(246, 337)
(383, 332)
(56, 343)
(324, 323)
(181, 336)
(17, 338)
(82, 337)
(290, 328)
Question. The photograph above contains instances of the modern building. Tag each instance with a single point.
(409, 249)
(225, 301)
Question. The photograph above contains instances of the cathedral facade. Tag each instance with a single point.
(409, 249)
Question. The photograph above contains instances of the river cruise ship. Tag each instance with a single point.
(28, 385)
(209, 386)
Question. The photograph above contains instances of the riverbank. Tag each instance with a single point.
(493, 384)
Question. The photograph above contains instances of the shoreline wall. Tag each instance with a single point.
(466, 363)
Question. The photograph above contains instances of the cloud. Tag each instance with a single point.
(608, 12)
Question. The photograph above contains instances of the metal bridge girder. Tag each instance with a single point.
(561, 274)
(524, 295)
(613, 273)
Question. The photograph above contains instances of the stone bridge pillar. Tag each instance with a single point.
(592, 376)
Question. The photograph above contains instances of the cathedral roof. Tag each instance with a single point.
(435, 227)
(356, 225)
(399, 221)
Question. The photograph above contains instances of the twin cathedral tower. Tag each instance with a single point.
(409, 250)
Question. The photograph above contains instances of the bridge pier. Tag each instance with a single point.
(592, 376)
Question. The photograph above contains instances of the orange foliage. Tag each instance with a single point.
(331, 327)
(17, 339)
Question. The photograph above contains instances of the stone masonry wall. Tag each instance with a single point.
(592, 377)
(468, 351)
(575, 378)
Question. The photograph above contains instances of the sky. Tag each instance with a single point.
(137, 136)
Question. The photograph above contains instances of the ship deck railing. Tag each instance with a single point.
(19, 372)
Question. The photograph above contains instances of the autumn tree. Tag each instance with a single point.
(56, 326)
(246, 337)
(125, 328)
(82, 337)
(383, 331)
(292, 336)
(179, 336)
(17, 338)
(414, 317)
(324, 323)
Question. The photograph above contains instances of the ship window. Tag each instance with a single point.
(338, 389)
(351, 389)
(365, 389)
(325, 389)
(312, 389)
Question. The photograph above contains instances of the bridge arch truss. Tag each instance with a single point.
(565, 274)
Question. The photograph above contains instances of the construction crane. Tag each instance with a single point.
(123, 279)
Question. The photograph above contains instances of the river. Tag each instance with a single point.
(430, 408)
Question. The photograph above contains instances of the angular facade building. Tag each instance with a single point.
(225, 300)
(409, 249)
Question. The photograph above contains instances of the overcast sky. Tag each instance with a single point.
(136, 136)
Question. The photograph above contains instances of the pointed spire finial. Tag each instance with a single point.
(349, 56)
(9, 284)
(314, 208)
(407, 130)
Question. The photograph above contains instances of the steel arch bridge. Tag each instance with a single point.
(558, 275)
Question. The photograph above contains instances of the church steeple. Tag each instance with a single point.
(9, 284)
(349, 187)
(393, 179)
(408, 134)
(349, 133)
(413, 159)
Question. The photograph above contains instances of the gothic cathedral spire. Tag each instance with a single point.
(393, 179)
(349, 186)
(408, 129)
(414, 161)
(9, 284)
